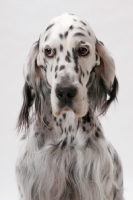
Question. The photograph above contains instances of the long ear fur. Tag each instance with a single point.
(28, 99)
(103, 84)
(31, 71)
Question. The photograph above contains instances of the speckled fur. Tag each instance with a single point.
(64, 154)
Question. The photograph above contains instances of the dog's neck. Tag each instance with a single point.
(65, 127)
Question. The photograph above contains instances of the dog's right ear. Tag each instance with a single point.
(31, 74)
(28, 99)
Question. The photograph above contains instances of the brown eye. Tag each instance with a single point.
(83, 51)
(49, 52)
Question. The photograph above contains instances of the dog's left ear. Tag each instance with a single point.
(103, 82)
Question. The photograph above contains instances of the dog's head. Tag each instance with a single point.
(71, 68)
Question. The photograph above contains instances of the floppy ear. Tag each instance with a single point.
(103, 84)
(31, 74)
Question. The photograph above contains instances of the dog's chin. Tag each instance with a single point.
(68, 110)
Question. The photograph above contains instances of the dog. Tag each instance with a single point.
(69, 81)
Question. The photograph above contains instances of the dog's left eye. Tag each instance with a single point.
(49, 52)
(83, 51)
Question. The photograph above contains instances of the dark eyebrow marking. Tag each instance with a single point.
(79, 34)
(83, 23)
(49, 27)
(46, 37)
(80, 28)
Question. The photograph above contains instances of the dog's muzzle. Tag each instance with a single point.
(65, 95)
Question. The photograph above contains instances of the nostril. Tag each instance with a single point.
(59, 94)
(71, 93)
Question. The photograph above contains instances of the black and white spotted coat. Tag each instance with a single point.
(64, 153)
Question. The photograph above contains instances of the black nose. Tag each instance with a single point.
(65, 93)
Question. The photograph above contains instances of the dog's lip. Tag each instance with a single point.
(63, 110)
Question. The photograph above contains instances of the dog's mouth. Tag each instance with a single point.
(64, 109)
(68, 98)
(69, 109)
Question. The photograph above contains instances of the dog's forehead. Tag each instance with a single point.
(65, 23)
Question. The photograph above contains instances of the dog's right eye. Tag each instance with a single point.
(49, 52)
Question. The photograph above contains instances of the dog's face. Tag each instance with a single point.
(75, 66)
(67, 50)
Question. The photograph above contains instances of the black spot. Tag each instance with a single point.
(80, 80)
(46, 123)
(58, 59)
(83, 23)
(70, 128)
(72, 139)
(56, 75)
(56, 68)
(57, 124)
(68, 54)
(54, 51)
(83, 74)
(67, 59)
(99, 130)
(79, 34)
(75, 56)
(71, 27)
(75, 20)
(87, 72)
(41, 141)
(101, 43)
(97, 134)
(89, 33)
(78, 124)
(76, 69)
(61, 36)
(96, 56)
(24, 137)
(28, 77)
(84, 129)
(62, 67)
(89, 143)
(64, 115)
(49, 27)
(45, 61)
(66, 34)
(46, 38)
(55, 119)
(82, 42)
(64, 143)
(114, 193)
(86, 118)
(61, 48)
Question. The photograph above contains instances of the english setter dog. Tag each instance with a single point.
(69, 79)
